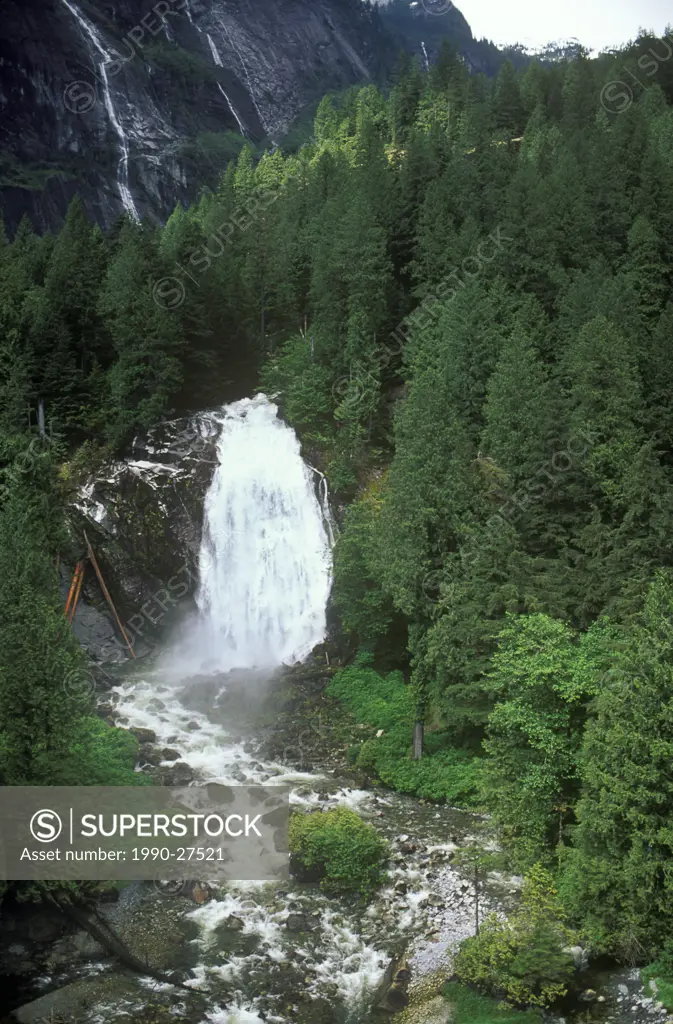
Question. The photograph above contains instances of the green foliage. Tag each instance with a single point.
(542, 679)
(470, 1007)
(47, 733)
(618, 875)
(388, 703)
(661, 973)
(522, 958)
(99, 755)
(347, 852)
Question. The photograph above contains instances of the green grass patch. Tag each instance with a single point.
(386, 702)
(471, 1007)
(662, 975)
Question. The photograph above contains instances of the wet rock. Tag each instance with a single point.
(107, 712)
(156, 705)
(623, 989)
(233, 923)
(401, 888)
(199, 892)
(433, 900)
(391, 995)
(149, 755)
(178, 775)
(298, 923)
(144, 736)
(192, 727)
(180, 977)
(169, 754)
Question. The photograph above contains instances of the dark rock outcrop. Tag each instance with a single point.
(143, 516)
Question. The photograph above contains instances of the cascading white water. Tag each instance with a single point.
(233, 110)
(123, 166)
(244, 67)
(425, 57)
(218, 61)
(214, 51)
(265, 565)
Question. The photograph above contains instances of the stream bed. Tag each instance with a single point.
(285, 952)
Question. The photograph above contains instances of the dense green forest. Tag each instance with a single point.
(461, 293)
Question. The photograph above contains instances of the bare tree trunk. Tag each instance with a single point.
(102, 932)
(419, 731)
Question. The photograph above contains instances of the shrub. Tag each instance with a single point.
(386, 702)
(339, 846)
(523, 958)
(100, 755)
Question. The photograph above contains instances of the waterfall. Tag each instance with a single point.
(265, 565)
(123, 166)
(214, 51)
(218, 61)
(425, 56)
(247, 76)
(233, 110)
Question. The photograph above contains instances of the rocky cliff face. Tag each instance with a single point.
(131, 103)
(143, 516)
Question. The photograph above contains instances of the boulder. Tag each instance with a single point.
(144, 736)
(298, 923)
(391, 995)
(199, 892)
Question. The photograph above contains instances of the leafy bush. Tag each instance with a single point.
(386, 702)
(522, 958)
(100, 755)
(345, 850)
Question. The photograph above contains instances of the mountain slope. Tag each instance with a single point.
(133, 105)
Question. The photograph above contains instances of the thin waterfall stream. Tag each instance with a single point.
(107, 58)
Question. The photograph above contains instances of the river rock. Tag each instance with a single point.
(433, 900)
(298, 923)
(149, 755)
(580, 957)
(144, 736)
(199, 892)
(169, 754)
(178, 775)
(391, 995)
(233, 923)
(156, 705)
